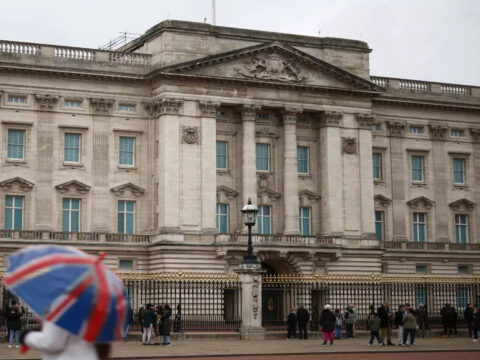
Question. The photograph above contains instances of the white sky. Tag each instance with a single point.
(435, 40)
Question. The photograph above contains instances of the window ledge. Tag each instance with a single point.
(420, 183)
(71, 165)
(16, 162)
(126, 167)
(223, 171)
(460, 186)
(379, 181)
(304, 175)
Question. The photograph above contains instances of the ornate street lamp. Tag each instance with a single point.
(249, 217)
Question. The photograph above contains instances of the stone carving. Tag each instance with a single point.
(46, 102)
(230, 194)
(382, 201)
(255, 296)
(349, 145)
(475, 134)
(190, 134)
(23, 184)
(396, 128)
(272, 67)
(421, 203)
(290, 115)
(209, 109)
(102, 106)
(249, 112)
(462, 205)
(365, 121)
(438, 131)
(120, 190)
(66, 187)
(165, 106)
(330, 118)
(266, 131)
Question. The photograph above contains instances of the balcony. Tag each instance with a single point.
(276, 239)
(428, 246)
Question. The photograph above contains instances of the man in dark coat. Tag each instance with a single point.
(385, 317)
(327, 322)
(468, 316)
(302, 317)
(149, 322)
(13, 319)
(422, 319)
(165, 324)
(448, 316)
(292, 325)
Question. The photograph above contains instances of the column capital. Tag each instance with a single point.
(209, 109)
(473, 131)
(365, 121)
(330, 118)
(249, 112)
(164, 106)
(396, 128)
(101, 106)
(290, 114)
(46, 102)
(438, 132)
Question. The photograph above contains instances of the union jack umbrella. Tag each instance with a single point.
(70, 288)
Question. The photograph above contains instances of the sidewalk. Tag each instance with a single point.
(134, 350)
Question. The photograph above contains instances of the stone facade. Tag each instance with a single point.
(177, 90)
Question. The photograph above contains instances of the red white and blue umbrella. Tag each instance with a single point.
(70, 288)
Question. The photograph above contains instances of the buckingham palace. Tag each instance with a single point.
(149, 152)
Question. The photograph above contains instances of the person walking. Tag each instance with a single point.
(349, 319)
(13, 319)
(338, 324)
(149, 321)
(166, 324)
(292, 324)
(398, 321)
(373, 325)
(141, 316)
(409, 328)
(385, 317)
(475, 323)
(468, 316)
(422, 319)
(327, 322)
(302, 317)
(447, 320)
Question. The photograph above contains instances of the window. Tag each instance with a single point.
(72, 148)
(416, 130)
(459, 171)
(264, 219)
(461, 228)
(13, 212)
(302, 120)
(125, 264)
(376, 127)
(377, 166)
(263, 157)
(463, 269)
(419, 227)
(420, 296)
(71, 215)
(123, 107)
(262, 116)
(73, 103)
(220, 113)
(302, 159)
(456, 133)
(222, 151)
(17, 99)
(379, 225)
(126, 217)
(127, 146)
(304, 218)
(417, 168)
(16, 143)
(421, 269)
(462, 298)
(222, 218)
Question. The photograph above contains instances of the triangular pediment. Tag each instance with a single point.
(274, 63)
(310, 195)
(73, 184)
(421, 203)
(265, 191)
(134, 189)
(229, 193)
(22, 184)
(462, 205)
(382, 200)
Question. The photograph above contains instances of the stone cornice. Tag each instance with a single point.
(438, 132)
(330, 118)
(164, 106)
(46, 102)
(396, 128)
(249, 112)
(208, 109)
(101, 106)
(290, 115)
(365, 121)
(475, 134)
(24, 185)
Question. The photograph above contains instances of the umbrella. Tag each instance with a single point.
(70, 288)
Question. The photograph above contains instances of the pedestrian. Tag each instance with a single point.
(373, 324)
(385, 317)
(447, 313)
(327, 322)
(454, 321)
(129, 323)
(14, 315)
(338, 324)
(475, 323)
(165, 324)
(141, 316)
(349, 319)
(302, 317)
(158, 326)
(468, 316)
(409, 327)
(149, 322)
(292, 324)
(398, 321)
(422, 318)
(177, 323)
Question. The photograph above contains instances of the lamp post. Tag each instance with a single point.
(249, 212)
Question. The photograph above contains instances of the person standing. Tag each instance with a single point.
(302, 317)
(447, 320)
(409, 328)
(165, 324)
(149, 321)
(338, 324)
(327, 322)
(292, 325)
(475, 323)
(398, 321)
(422, 318)
(141, 316)
(385, 317)
(349, 319)
(14, 315)
(468, 316)
(373, 324)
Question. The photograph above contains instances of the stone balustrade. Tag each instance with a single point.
(276, 239)
(21, 48)
(428, 246)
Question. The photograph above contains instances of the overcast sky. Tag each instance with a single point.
(435, 40)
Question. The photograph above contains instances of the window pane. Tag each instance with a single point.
(15, 144)
(72, 148)
(302, 159)
(421, 233)
(65, 221)
(376, 165)
(221, 154)
(8, 219)
(130, 206)
(75, 204)
(262, 155)
(9, 201)
(417, 168)
(18, 220)
(121, 205)
(458, 171)
(129, 223)
(121, 224)
(75, 221)
(126, 150)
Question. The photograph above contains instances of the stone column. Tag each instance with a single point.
(365, 145)
(398, 167)
(249, 167)
(290, 171)
(209, 169)
(44, 212)
(475, 132)
(251, 282)
(331, 173)
(101, 204)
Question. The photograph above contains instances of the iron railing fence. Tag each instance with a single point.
(199, 302)
(283, 292)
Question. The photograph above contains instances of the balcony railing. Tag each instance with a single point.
(429, 246)
(276, 239)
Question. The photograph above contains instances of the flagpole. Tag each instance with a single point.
(213, 12)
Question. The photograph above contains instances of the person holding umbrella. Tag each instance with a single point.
(82, 303)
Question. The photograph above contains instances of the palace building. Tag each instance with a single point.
(149, 153)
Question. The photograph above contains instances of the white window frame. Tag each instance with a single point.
(376, 127)
(120, 151)
(416, 130)
(13, 210)
(301, 217)
(269, 156)
(425, 225)
(382, 222)
(464, 170)
(308, 160)
(70, 210)
(457, 133)
(23, 145)
(123, 268)
(14, 99)
(466, 225)
(73, 104)
(126, 107)
(79, 147)
(227, 215)
(125, 212)
(226, 155)
(423, 168)
(380, 165)
(263, 216)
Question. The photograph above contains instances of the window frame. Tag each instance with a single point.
(262, 216)
(455, 131)
(423, 180)
(70, 210)
(307, 160)
(126, 108)
(382, 222)
(13, 208)
(79, 147)
(125, 212)
(217, 155)
(132, 261)
(269, 156)
(416, 130)
(380, 166)
(67, 104)
(220, 215)
(14, 96)
(464, 170)
(376, 127)
(466, 226)
(133, 138)
(301, 218)
(23, 143)
(418, 223)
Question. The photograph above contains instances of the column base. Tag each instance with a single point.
(252, 333)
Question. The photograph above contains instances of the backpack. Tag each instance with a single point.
(338, 321)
